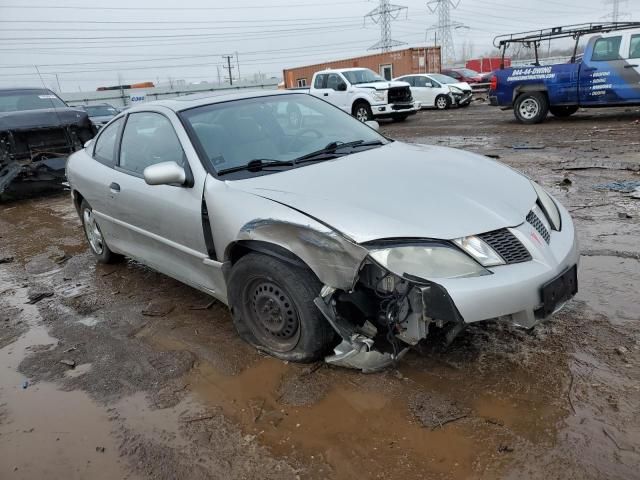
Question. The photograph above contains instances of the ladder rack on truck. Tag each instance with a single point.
(536, 37)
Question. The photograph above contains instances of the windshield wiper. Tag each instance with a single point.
(257, 165)
(329, 151)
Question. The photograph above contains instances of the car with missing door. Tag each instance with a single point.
(324, 237)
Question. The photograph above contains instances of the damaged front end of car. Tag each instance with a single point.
(384, 315)
(34, 146)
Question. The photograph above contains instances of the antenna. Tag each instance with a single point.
(383, 15)
(445, 27)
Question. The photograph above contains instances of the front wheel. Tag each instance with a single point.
(362, 111)
(442, 102)
(531, 107)
(272, 307)
(563, 111)
(95, 237)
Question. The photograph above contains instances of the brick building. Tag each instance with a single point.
(387, 64)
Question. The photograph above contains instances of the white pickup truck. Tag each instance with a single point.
(364, 94)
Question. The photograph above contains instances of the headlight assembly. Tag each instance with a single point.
(379, 96)
(428, 261)
(455, 90)
(548, 206)
(478, 249)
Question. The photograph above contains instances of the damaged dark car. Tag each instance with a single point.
(38, 132)
(325, 238)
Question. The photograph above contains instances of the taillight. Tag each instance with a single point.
(494, 83)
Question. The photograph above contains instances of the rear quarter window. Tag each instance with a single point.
(105, 149)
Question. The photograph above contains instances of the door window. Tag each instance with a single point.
(105, 151)
(409, 80)
(422, 82)
(320, 81)
(606, 49)
(149, 138)
(386, 71)
(634, 49)
(333, 81)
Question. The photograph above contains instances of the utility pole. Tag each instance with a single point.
(229, 67)
(238, 65)
(445, 26)
(383, 15)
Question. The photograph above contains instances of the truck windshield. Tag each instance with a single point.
(362, 76)
(275, 128)
(18, 100)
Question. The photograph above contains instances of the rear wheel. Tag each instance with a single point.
(362, 111)
(94, 235)
(273, 309)
(531, 107)
(563, 111)
(442, 102)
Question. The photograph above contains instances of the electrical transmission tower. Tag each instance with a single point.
(615, 14)
(445, 27)
(383, 15)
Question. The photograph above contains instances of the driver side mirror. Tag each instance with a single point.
(342, 87)
(165, 173)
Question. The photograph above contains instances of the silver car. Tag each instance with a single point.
(323, 237)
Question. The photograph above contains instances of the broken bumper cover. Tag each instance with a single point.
(395, 109)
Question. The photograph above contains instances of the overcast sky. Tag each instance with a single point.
(89, 44)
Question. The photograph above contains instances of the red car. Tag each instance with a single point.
(463, 75)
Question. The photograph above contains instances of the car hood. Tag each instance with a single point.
(402, 191)
(382, 85)
(461, 85)
(43, 118)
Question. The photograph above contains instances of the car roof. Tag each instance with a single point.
(22, 89)
(187, 102)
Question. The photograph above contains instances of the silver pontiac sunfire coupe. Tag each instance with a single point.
(323, 237)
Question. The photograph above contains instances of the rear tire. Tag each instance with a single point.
(442, 102)
(531, 107)
(94, 236)
(272, 307)
(563, 112)
(362, 111)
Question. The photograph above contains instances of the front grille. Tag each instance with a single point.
(506, 245)
(533, 219)
(400, 95)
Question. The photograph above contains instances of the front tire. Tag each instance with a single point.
(362, 111)
(442, 102)
(563, 112)
(272, 307)
(531, 107)
(94, 236)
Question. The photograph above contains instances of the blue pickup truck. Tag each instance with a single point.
(606, 74)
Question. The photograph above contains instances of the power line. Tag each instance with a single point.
(445, 26)
(383, 15)
(244, 7)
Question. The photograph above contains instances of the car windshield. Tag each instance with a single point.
(362, 76)
(468, 72)
(100, 110)
(278, 128)
(438, 77)
(18, 100)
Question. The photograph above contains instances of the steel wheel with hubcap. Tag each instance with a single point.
(531, 107)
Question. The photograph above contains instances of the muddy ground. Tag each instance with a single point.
(163, 388)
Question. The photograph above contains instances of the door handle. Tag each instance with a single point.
(326, 94)
(630, 66)
(114, 187)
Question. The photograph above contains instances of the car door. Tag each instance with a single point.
(336, 91)
(602, 72)
(161, 225)
(424, 89)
